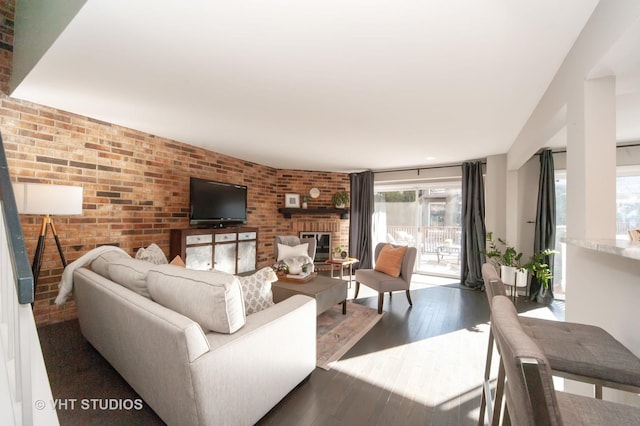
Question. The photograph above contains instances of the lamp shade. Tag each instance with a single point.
(40, 198)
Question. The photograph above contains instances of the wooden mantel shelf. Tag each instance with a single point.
(287, 212)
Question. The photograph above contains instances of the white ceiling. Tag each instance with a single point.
(329, 85)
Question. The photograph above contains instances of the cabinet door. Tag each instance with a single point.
(246, 256)
(199, 257)
(225, 258)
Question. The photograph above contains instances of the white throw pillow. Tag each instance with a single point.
(213, 299)
(132, 274)
(285, 251)
(153, 254)
(256, 290)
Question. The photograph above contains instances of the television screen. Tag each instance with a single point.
(216, 203)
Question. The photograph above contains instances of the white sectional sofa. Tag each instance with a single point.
(189, 375)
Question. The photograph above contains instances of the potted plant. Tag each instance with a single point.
(305, 200)
(340, 199)
(538, 267)
(502, 255)
(340, 252)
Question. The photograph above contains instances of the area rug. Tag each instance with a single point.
(338, 333)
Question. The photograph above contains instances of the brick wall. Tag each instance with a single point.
(136, 185)
(300, 182)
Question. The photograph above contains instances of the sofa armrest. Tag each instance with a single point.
(246, 374)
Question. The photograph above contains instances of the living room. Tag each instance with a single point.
(136, 183)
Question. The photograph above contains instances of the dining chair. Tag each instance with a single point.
(531, 399)
(580, 352)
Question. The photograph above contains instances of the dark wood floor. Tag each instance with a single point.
(420, 365)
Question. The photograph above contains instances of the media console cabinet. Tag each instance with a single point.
(232, 250)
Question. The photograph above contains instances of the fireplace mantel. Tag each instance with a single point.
(287, 212)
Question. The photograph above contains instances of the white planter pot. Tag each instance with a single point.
(508, 275)
(522, 278)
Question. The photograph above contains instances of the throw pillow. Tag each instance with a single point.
(213, 299)
(285, 251)
(153, 254)
(390, 259)
(132, 274)
(177, 261)
(256, 289)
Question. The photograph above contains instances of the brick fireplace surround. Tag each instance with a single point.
(136, 185)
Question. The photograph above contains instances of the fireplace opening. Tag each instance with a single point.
(323, 245)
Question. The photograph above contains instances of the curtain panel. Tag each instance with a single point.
(545, 230)
(361, 217)
(473, 228)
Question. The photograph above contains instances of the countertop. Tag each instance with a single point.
(624, 248)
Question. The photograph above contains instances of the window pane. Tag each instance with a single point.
(627, 203)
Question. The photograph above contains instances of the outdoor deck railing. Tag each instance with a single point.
(22, 370)
(429, 237)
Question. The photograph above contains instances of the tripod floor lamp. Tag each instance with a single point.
(47, 200)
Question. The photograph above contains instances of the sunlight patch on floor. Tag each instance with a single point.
(465, 349)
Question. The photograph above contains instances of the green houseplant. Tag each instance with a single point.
(501, 253)
(340, 199)
(539, 268)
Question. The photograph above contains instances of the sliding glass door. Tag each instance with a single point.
(426, 216)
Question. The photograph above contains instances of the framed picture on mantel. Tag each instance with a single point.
(292, 200)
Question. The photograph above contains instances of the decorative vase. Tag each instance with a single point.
(304, 204)
(343, 254)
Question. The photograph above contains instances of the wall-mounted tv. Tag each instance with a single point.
(214, 203)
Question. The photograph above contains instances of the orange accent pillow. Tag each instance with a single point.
(177, 261)
(390, 260)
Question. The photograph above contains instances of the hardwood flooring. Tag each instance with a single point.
(418, 366)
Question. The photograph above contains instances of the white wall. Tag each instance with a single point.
(495, 188)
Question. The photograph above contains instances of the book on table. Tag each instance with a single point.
(299, 276)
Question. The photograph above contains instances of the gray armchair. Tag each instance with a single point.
(382, 282)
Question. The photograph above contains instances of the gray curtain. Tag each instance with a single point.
(545, 232)
(473, 229)
(361, 217)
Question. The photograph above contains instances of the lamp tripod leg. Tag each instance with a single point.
(55, 236)
(37, 258)
(47, 221)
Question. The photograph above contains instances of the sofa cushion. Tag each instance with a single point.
(131, 273)
(256, 290)
(213, 299)
(100, 265)
(153, 254)
(389, 260)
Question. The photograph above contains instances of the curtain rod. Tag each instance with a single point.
(564, 150)
(417, 169)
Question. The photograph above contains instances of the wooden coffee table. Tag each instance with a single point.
(327, 292)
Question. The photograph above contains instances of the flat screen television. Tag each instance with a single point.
(214, 203)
